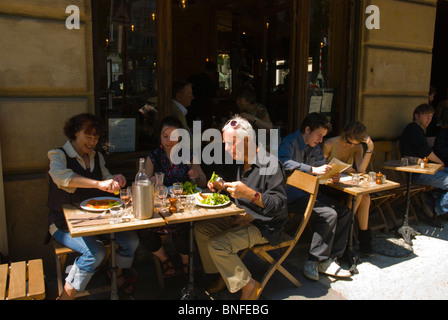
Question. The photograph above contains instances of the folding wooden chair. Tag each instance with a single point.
(309, 184)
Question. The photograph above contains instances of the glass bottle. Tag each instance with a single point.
(425, 162)
(141, 177)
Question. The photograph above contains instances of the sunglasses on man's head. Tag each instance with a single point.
(234, 124)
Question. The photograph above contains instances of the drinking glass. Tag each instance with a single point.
(116, 214)
(372, 178)
(356, 178)
(162, 192)
(177, 189)
(405, 161)
(159, 178)
(125, 196)
(190, 203)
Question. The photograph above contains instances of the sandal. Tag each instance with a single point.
(126, 280)
(168, 268)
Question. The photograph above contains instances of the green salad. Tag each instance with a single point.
(189, 188)
(215, 199)
(214, 177)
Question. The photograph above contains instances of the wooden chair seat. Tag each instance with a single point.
(22, 280)
(61, 252)
(309, 184)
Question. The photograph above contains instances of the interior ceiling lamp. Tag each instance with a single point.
(184, 3)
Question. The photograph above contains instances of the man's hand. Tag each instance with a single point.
(238, 190)
(321, 170)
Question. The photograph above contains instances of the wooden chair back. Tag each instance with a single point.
(309, 184)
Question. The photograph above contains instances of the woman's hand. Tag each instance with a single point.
(120, 179)
(193, 174)
(369, 143)
(109, 185)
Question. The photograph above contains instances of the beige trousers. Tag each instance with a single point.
(218, 245)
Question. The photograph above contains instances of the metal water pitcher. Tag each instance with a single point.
(143, 199)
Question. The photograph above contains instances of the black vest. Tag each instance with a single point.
(57, 197)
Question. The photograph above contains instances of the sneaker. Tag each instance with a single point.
(330, 267)
(310, 270)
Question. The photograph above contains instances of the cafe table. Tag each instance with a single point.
(190, 216)
(83, 223)
(356, 190)
(406, 230)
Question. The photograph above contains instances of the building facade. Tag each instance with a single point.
(368, 60)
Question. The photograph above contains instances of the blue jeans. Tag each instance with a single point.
(93, 253)
(438, 180)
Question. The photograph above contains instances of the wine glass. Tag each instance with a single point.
(177, 189)
(162, 192)
(125, 196)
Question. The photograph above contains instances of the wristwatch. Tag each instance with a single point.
(256, 196)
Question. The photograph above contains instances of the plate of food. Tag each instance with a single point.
(212, 200)
(100, 203)
(188, 188)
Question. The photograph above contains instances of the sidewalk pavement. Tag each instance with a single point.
(422, 275)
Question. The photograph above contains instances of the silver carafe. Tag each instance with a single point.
(143, 199)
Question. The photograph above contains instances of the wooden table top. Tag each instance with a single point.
(82, 223)
(396, 165)
(364, 187)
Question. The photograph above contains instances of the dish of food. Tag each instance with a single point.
(100, 203)
(212, 200)
(188, 188)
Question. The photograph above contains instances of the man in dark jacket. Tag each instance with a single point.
(330, 220)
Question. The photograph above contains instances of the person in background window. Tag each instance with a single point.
(205, 91)
(78, 173)
(254, 112)
(182, 98)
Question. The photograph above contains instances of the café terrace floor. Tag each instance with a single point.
(420, 275)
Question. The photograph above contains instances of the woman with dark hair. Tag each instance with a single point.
(348, 148)
(77, 173)
(159, 160)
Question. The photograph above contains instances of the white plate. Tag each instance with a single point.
(83, 204)
(199, 203)
(197, 190)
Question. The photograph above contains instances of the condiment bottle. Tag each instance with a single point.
(379, 178)
(425, 162)
(173, 206)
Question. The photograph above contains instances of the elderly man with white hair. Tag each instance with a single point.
(259, 188)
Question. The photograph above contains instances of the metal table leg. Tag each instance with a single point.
(352, 256)
(405, 230)
(114, 283)
(188, 291)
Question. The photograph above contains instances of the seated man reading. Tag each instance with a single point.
(330, 220)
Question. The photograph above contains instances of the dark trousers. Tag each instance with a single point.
(152, 241)
(330, 222)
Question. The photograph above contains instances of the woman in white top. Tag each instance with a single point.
(77, 173)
